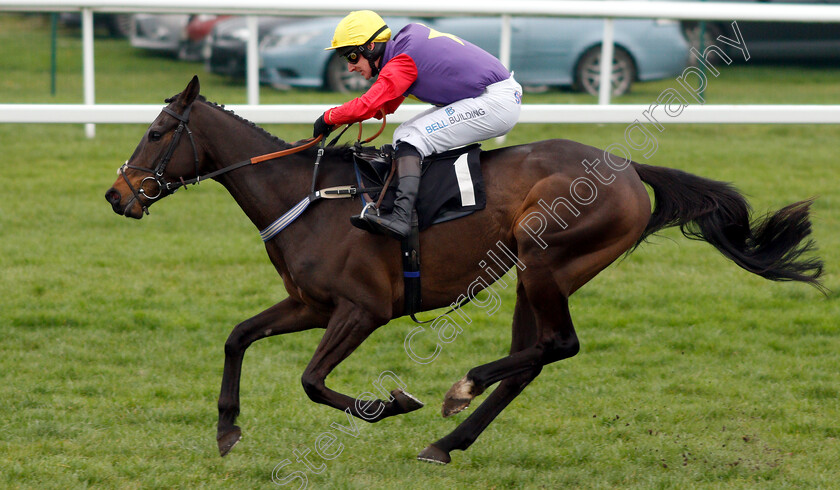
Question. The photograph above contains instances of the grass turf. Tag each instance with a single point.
(693, 373)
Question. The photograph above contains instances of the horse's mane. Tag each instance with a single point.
(343, 152)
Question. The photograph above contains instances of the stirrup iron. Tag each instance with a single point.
(365, 209)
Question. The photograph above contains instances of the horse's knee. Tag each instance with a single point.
(559, 348)
(312, 386)
(232, 348)
(574, 348)
(235, 344)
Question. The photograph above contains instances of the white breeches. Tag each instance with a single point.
(491, 114)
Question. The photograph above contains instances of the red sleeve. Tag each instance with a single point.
(394, 79)
(391, 106)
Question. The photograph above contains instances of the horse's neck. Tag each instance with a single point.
(265, 190)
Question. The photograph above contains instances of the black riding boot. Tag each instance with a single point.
(398, 223)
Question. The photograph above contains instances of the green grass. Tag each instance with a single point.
(693, 373)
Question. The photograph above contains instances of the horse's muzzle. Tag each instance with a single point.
(114, 197)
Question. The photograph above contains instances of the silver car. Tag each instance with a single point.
(158, 32)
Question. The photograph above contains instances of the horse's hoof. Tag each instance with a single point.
(458, 397)
(433, 454)
(451, 406)
(228, 440)
(406, 401)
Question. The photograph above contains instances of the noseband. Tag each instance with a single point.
(157, 173)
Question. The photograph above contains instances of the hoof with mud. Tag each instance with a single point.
(459, 397)
(433, 454)
(451, 406)
(228, 440)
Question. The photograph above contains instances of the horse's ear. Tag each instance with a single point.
(191, 92)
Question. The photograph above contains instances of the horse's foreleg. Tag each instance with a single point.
(348, 328)
(524, 334)
(284, 317)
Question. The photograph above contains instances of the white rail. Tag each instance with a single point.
(815, 12)
(531, 113)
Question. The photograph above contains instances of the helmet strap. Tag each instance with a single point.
(374, 54)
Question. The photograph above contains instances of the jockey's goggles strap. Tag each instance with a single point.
(348, 52)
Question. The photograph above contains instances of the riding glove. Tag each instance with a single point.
(321, 127)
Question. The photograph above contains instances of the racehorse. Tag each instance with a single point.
(564, 212)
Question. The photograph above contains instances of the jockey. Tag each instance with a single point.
(475, 98)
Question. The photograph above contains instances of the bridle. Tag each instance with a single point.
(165, 187)
(160, 168)
(170, 187)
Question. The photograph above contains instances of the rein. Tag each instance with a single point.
(339, 192)
(170, 187)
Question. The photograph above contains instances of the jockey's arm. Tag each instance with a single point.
(387, 92)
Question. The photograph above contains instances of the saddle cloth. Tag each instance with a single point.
(451, 185)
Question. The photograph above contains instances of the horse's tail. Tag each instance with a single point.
(773, 246)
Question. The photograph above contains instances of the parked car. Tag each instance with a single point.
(177, 35)
(224, 49)
(773, 41)
(158, 32)
(544, 51)
(196, 34)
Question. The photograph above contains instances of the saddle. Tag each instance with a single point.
(451, 187)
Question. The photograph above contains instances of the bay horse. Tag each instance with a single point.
(564, 218)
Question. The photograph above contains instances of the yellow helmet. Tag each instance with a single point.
(360, 28)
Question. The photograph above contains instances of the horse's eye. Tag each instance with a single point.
(154, 136)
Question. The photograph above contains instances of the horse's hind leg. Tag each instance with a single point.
(349, 326)
(524, 335)
(556, 340)
(543, 333)
(284, 317)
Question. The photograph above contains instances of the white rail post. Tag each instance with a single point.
(607, 50)
(504, 43)
(87, 64)
(252, 61)
(504, 53)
